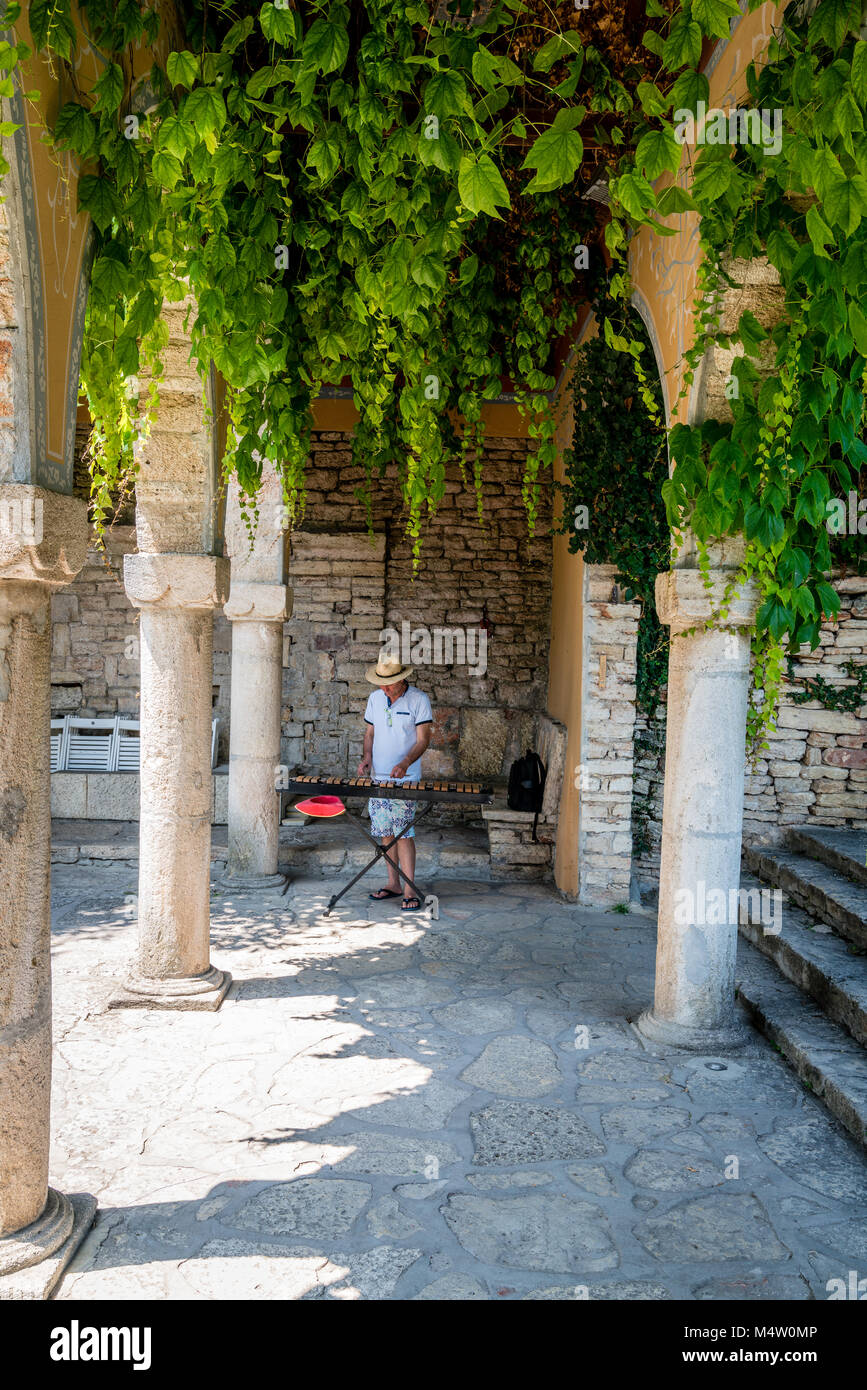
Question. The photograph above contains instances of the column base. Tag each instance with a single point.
(244, 881)
(205, 992)
(664, 1032)
(32, 1260)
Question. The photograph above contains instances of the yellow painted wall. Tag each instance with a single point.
(502, 419)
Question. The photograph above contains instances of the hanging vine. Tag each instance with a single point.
(795, 437)
(345, 191)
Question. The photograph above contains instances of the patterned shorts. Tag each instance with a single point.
(389, 818)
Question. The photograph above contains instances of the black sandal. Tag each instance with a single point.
(382, 893)
(410, 905)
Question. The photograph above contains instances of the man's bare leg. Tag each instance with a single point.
(406, 857)
(394, 879)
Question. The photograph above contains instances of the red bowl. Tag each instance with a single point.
(321, 806)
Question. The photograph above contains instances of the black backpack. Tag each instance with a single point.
(527, 785)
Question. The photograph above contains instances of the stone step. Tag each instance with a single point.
(829, 1062)
(820, 890)
(843, 850)
(818, 961)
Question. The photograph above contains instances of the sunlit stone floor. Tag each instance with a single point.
(388, 1107)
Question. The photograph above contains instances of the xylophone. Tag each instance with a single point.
(469, 792)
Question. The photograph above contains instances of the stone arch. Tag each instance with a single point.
(21, 319)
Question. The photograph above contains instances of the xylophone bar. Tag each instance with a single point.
(468, 792)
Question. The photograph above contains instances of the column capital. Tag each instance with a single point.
(682, 601)
(250, 602)
(176, 581)
(43, 535)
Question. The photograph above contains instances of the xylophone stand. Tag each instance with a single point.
(429, 899)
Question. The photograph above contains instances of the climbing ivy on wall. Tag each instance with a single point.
(386, 191)
(849, 698)
(795, 436)
(613, 510)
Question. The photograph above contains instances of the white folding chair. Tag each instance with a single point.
(215, 726)
(128, 746)
(58, 743)
(90, 745)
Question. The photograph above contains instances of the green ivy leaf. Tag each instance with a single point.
(110, 278)
(481, 186)
(775, 617)
(109, 88)
(690, 88)
(653, 103)
(238, 34)
(444, 152)
(555, 155)
(833, 20)
(750, 332)
(167, 168)
(98, 197)
(324, 157)
(782, 248)
(657, 151)
(819, 232)
(846, 202)
(446, 95)
(674, 199)
(714, 15)
(176, 134)
(859, 71)
(635, 194)
(182, 69)
(682, 48)
(858, 327)
(206, 110)
(713, 174)
(326, 46)
(282, 25)
(561, 46)
(77, 128)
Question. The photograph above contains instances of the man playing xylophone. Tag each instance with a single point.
(398, 722)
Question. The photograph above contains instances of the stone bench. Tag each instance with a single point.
(514, 853)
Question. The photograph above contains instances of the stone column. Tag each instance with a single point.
(38, 1226)
(258, 605)
(176, 595)
(176, 580)
(708, 685)
(257, 613)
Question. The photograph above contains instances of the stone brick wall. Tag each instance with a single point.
(345, 592)
(470, 573)
(605, 774)
(816, 769)
(338, 585)
(94, 631)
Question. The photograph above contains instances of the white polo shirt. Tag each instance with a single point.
(394, 729)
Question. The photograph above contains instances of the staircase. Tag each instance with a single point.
(806, 987)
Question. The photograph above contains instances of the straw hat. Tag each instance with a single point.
(387, 671)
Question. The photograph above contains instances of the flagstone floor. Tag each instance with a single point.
(388, 1107)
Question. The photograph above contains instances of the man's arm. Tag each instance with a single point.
(367, 756)
(422, 739)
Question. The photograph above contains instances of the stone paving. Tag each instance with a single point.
(391, 1108)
